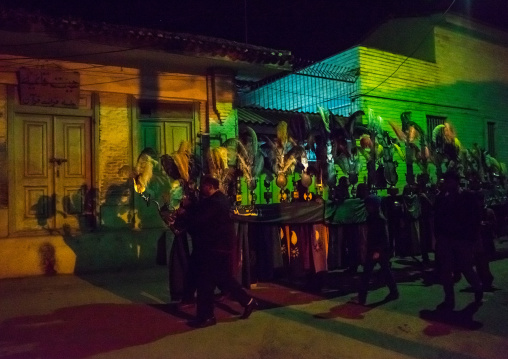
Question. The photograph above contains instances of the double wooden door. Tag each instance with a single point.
(164, 136)
(52, 172)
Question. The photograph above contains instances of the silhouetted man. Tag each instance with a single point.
(378, 250)
(214, 241)
(457, 221)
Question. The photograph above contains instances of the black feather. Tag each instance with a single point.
(168, 163)
(299, 128)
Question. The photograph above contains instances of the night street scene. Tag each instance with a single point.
(254, 179)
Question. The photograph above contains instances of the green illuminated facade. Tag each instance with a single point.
(438, 68)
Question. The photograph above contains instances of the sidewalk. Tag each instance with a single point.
(125, 315)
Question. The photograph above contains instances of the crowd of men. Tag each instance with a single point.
(451, 222)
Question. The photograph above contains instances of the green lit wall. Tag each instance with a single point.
(467, 84)
(437, 66)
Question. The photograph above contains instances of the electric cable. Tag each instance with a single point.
(411, 54)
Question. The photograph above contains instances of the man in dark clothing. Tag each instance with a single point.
(341, 191)
(485, 247)
(378, 250)
(214, 241)
(457, 221)
(355, 235)
(427, 199)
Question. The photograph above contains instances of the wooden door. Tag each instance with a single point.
(175, 133)
(72, 171)
(52, 172)
(165, 138)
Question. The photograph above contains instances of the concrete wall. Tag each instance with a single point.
(92, 252)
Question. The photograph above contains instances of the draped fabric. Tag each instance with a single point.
(287, 213)
(294, 237)
(299, 240)
(336, 247)
(409, 244)
(244, 254)
(350, 211)
(179, 258)
(319, 243)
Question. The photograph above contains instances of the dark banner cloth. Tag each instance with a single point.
(336, 247)
(288, 213)
(351, 211)
(178, 265)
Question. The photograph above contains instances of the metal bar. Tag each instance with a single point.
(326, 77)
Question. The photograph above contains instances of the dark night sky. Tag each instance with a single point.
(311, 29)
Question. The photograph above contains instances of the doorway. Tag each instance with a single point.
(52, 173)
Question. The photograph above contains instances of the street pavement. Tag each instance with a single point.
(126, 315)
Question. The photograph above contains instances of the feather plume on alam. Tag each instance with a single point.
(218, 166)
(398, 131)
(245, 165)
(250, 158)
(182, 159)
(325, 116)
(218, 160)
(282, 132)
(144, 170)
(281, 160)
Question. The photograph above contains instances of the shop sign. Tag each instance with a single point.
(47, 87)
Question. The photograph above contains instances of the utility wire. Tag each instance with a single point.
(411, 54)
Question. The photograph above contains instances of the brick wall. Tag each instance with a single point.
(220, 103)
(4, 179)
(467, 85)
(114, 147)
(474, 73)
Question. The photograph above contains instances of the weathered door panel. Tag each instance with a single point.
(52, 172)
(33, 185)
(71, 167)
(165, 138)
(151, 136)
(175, 133)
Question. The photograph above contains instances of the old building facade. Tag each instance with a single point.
(78, 103)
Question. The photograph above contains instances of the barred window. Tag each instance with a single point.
(491, 138)
(432, 122)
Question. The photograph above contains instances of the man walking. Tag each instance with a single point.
(378, 251)
(457, 221)
(214, 240)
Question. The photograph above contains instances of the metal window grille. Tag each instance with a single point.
(491, 138)
(432, 122)
(303, 90)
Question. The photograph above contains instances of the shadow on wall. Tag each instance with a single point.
(116, 211)
(47, 258)
(79, 205)
(115, 245)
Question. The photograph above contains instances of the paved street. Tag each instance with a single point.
(124, 315)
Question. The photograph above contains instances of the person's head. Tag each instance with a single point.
(362, 191)
(451, 181)
(474, 183)
(209, 185)
(422, 181)
(372, 205)
(343, 182)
